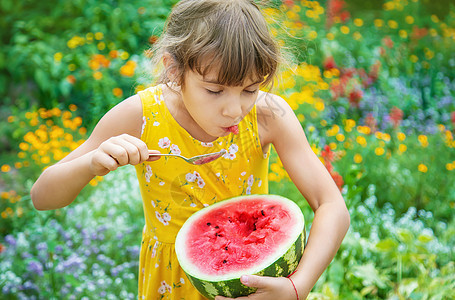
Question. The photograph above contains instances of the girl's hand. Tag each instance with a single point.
(118, 151)
(268, 288)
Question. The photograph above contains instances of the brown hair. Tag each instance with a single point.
(230, 34)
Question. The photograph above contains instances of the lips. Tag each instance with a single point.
(233, 129)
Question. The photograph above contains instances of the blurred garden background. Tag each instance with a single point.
(373, 84)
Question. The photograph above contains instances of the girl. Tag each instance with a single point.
(217, 55)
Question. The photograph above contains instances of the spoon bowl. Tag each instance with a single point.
(195, 160)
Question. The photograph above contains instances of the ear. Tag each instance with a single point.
(170, 66)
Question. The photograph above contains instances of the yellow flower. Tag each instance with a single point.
(101, 46)
(422, 168)
(403, 33)
(340, 137)
(344, 29)
(401, 136)
(361, 141)
(330, 36)
(392, 24)
(434, 18)
(358, 158)
(450, 166)
(402, 148)
(358, 22)
(58, 56)
(378, 23)
(118, 92)
(99, 36)
(379, 151)
(409, 19)
(5, 168)
(413, 58)
(97, 75)
(423, 140)
(357, 35)
(312, 35)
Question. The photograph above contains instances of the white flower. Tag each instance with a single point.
(175, 149)
(156, 123)
(250, 180)
(248, 190)
(162, 289)
(200, 182)
(182, 281)
(166, 216)
(144, 122)
(207, 144)
(158, 216)
(190, 177)
(148, 173)
(233, 148)
(259, 183)
(164, 143)
(243, 173)
(153, 203)
(193, 204)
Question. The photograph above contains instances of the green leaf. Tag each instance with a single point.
(387, 245)
(370, 275)
(405, 235)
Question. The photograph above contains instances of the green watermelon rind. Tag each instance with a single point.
(284, 265)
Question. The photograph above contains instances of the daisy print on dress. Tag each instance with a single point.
(230, 154)
(163, 218)
(164, 288)
(144, 122)
(195, 177)
(175, 149)
(148, 173)
(164, 143)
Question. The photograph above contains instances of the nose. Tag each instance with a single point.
(233, 108)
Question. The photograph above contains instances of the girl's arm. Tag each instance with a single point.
(113, 143)
(331, 217)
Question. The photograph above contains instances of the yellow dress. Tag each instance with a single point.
(172, 190)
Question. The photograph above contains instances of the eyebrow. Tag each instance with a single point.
(213, 81)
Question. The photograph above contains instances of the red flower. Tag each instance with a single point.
(374, 71)
(453, 117)
(2, 248)
(289, 3)
(338, 180)
(327, 154)
(371, 122)
(418, 33)
(355, 96)
(329, 63)
(388, 42)
(396, 115)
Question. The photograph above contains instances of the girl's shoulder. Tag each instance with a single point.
(273, 115)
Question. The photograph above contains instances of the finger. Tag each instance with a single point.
(103, 163)
(119, 153)
(153, 158)
(255, 281)
(141, 147)
(130, 154)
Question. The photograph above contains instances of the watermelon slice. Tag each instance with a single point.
(256, 234)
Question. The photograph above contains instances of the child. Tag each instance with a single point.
(216, 54)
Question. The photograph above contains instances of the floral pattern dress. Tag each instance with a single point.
(173, 190)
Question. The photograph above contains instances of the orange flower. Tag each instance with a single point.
(118, 92)
(128, 69)
(71, 79)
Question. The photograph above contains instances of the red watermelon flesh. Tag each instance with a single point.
(235, 236)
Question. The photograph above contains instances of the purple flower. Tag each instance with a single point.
(41, 247)
(10, 240)
(35, 267)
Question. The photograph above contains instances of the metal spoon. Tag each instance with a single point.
(195, 160)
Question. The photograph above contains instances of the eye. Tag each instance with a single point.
(251, 92)
(213, 92)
